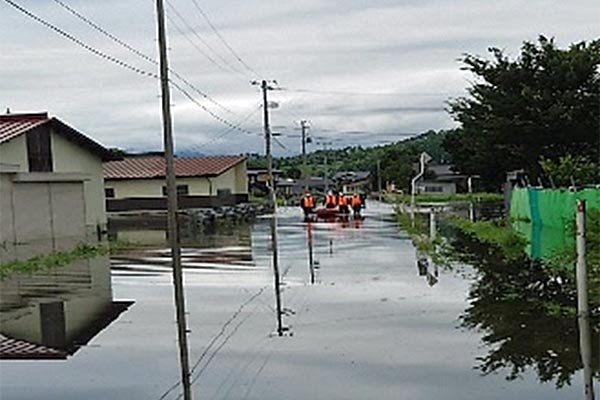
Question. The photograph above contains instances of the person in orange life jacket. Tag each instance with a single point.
(343, 203)
(307, 203)
(356, 203)
(330, 200)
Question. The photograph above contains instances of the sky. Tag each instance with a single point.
(361, 72)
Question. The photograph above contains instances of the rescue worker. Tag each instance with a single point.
(330, 200)
(356, 203)
(343, 203)
(308, 204)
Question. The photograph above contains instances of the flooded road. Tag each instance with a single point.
(373, 325)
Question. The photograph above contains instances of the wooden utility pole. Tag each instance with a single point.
(172, 203)
(585, 341)
(379, 179)
(271, 184)
(304, 127)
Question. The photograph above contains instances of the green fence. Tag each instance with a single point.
(545, 216)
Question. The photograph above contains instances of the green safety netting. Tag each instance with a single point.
(550, 207)
(545, 217)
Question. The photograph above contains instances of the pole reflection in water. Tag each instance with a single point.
(585, 344)
(311, 262)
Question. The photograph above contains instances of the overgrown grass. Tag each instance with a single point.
(452, 198)
(61, 258)
(494, 233)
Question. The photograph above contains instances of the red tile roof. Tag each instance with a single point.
(146, 167)
(13, 125)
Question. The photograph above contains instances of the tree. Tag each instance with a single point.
(543, 104)
(570, 169)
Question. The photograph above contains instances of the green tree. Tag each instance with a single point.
(543, 104)
(570, 169)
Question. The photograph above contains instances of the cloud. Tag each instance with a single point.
(406, 50)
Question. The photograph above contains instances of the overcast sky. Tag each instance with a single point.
(362, 72)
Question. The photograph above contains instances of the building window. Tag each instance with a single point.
(39, 151)
(109, 193)
(182, 190)
(434, 189)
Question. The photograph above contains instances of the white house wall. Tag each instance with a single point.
(15, 152)
(69, 157)
(234, 179)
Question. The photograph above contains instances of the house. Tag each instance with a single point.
(137, 182)
(51, 186)
(257, 180)
(353, 181)
(441, 179)
(285, 187)
(315, 185)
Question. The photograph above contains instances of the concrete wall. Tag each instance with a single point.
(69, 157)
(66, 157)
(37, 217)
(15, 152)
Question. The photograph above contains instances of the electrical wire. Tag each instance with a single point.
(354, 93)
(231, 50)
(226, 132)
(136, 51)
(122, 63)
(203, 41)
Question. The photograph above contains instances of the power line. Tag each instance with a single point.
(231, 50)
(228, 131)
(136, 51)
(355, 93)
(121, 63)
(203, 41)
(80, 43)
(198, 49)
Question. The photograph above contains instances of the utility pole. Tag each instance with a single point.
(379, 179)
(585, 341)
(304, 127)
(172, 203)
(326, 170)
(271, 184)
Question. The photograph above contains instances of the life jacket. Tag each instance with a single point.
(309, 202)
(330, 199)
(356, 200)
(343, 201)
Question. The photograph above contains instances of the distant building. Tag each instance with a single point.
(441, 179)
(353, 181)
(137, 182)
(52, 192)
(257, 180)
(315, 185)
(285, 186)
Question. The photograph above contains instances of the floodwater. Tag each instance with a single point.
(373, 325)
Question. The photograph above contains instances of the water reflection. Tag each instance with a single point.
(229, 248)
(51, 314)
(526, 315)
(311, 261)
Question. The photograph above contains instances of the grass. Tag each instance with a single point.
(494, 233)
(452, 198)
(61, 258)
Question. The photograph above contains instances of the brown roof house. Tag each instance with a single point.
(51, 186)
(137, 182)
